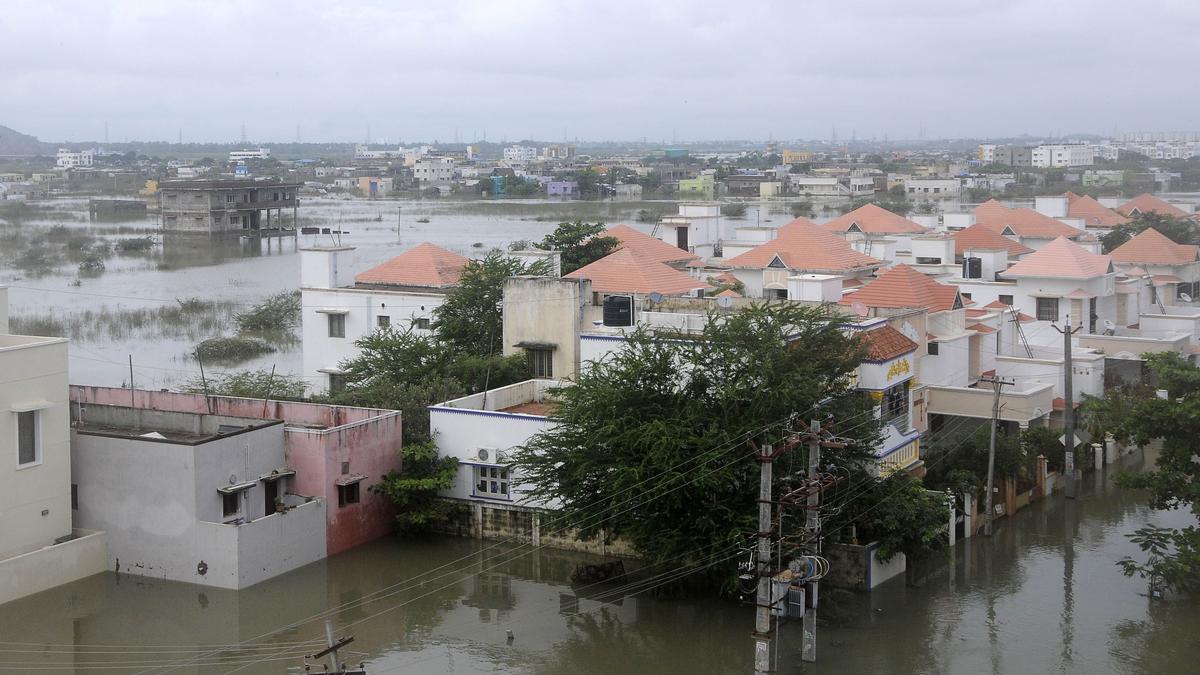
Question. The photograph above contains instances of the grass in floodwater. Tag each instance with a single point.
(249, 384)
(278, 313)
(232, 349)
(191, 318)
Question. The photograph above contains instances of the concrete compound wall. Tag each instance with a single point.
(52, 566)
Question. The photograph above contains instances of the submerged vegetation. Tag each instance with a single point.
(248, 384)
(232, 349)
(278, 313)
(190, 318)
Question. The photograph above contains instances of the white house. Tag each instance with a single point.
(243, 155)
(39, 548)
(206, 499)
(800, 247)
(434, 170)
(697, 228)
(1062, 155)
(338, 310)
(520, 154)
(68, 159)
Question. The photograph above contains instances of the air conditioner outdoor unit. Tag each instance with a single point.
(485, 454)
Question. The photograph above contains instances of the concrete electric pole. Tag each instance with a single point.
(990, 510)
(1069, 487)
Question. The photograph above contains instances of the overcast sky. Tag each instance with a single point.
(596, 70)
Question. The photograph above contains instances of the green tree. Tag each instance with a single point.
(801, 209)
(1174, 482)
(735, 210)
(657, 432)
(414, 489)
(1179, 230)
(249, 384)
(580, 244)
(470, 320)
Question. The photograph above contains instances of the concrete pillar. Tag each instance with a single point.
(1098, 453)
(537, 530)
(478, 518)
(1040, 477)
(951, 504)
(1110, 450)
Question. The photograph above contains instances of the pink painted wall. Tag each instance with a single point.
(367, 438)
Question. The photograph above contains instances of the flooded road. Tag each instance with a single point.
(1042, 596)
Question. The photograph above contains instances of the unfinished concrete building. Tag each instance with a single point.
(254, 207)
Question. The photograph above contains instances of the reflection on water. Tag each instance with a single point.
(1013, 603)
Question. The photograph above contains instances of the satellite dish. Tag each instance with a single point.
(725, 302)
(859, 308)
(655, 297)
(1185, 297)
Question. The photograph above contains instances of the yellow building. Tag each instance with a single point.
(796, 156)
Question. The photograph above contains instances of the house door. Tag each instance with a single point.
(1092, 315)
(271, 493)
(681, 237)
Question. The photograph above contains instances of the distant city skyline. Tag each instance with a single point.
(672, 71)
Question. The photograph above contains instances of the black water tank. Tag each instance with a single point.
(618, 310)
(972, 268)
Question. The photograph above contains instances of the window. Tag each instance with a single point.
(931, 348)
(337, 325)
(235, 220)
(74, 496)
(421, 323)
(271, 493)
(231, 504)
(1047, 309)
(491, 481)
(1006, 300)
(228, 199)
(348, 494)
(895, 403)
(966, 296)
(27, 438)
(383, 321)
(541, 362)
(337, 383)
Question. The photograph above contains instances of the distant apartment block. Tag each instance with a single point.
(68, 159)
(558, 151)
(520, 153)
(227, 206)
(1062, 155)
(796, 156)
(434, 170)
(243, 155)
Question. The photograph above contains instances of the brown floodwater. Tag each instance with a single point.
(1043, 595)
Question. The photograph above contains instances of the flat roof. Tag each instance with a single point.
(223, 184)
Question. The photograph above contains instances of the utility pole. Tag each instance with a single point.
(335, 667)
(762, 599)
(812, 522)
(808, 496)
(1069, 409)
(997, 384)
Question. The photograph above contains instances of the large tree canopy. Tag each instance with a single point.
(654, 437)
(1178, 230)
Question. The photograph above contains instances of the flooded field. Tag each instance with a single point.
(129, 304)
(1041, 596)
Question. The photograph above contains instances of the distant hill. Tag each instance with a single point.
(15, 143)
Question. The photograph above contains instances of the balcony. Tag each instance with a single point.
(1021, 407)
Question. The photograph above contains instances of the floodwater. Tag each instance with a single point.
(1043, 595)
(243, 272)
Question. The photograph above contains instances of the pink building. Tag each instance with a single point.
(337, 452)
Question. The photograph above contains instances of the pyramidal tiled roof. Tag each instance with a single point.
(980, 237)
(423, 265)
(627, 271)
(647, 246)
(886, 343)
(1154, 248)
(1022, 222)
(903, 286)
(1146, 202)
(1094, 213)
(805, 247)
(1061, 258)
(872, 219)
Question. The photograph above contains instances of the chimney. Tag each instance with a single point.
(325, 267)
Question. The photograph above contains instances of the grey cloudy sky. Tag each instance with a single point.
(595, 70)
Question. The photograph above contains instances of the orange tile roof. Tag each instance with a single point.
(872, 219)
(626, 271)
(798, 223)
(903, 286)
(647, 246)
(1163, 279)
(1146, 203)
(1061, 258)
(1022, 222)
(980, 328)
(1094, 213)
(1153, 247)
(423, 265)
(886, 343)
(805, 247)
(981, 237)
(729, 293)
(976, 313)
